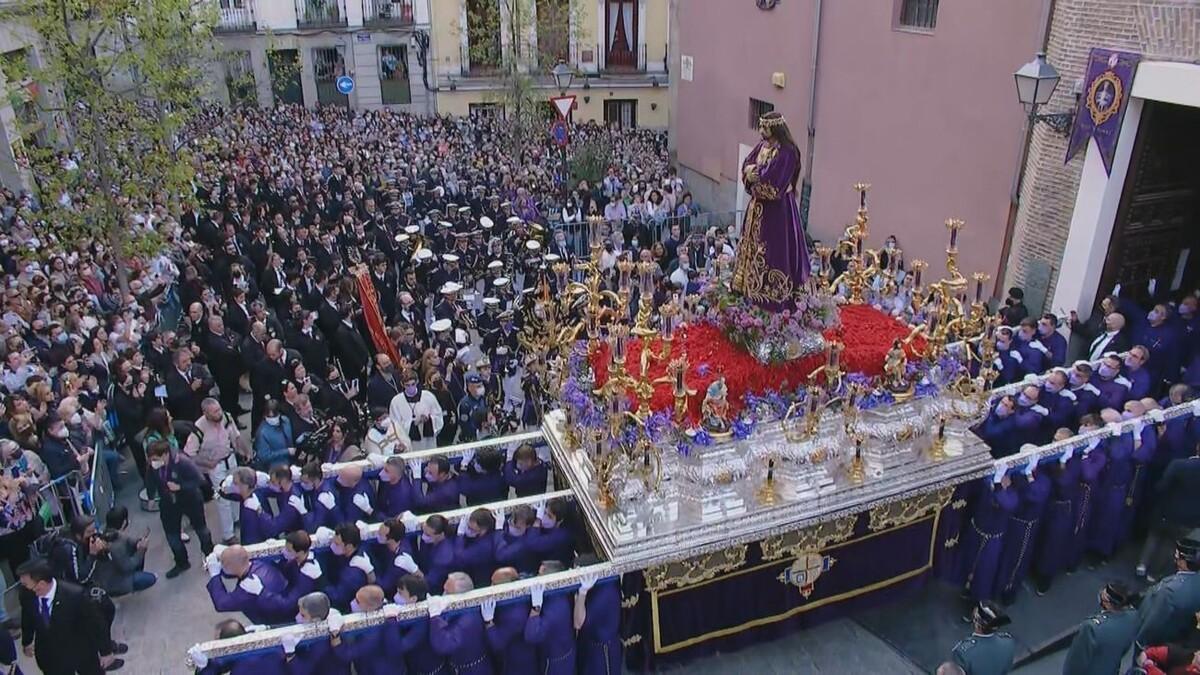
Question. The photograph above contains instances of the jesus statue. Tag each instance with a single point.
(772, 263)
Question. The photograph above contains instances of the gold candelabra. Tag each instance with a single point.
(937, 449)
(857, 471)
(767, 492)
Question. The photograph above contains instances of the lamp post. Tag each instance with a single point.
(1036, 82)
(563, 76)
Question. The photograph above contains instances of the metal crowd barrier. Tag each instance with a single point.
(274, 547)
(658, 229)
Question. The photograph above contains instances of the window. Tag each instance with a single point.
(328, 66)
(920, 14)
(393, 75)
(285, 75)
(239, 78)
(553, 28)
(622, 112)
(758, 109)
(482, 54)
(620, 34)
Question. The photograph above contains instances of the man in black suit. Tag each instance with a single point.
(329, 316)
(312, 344)
(237, 314)
(221, 349)
(351, 349)
(384, 385)
(266, 378)
(60, 625)
(187, 385)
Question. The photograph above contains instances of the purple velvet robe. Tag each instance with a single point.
(506, 638)
(1021, 534)
(1091, 468)
(553, 632)
(268, 607)
(1143, 457)
(460, 638)
(1104, 530)
(984, 540)
(1059, 519)
(600, 637)
(772, 258)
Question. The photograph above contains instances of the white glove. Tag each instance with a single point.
(322, 536)
(252, 503)
(335, 621)
(541, 510)
(295, 473)
(251, 584)
(488, 609)
(1157, 416)
(213, 563)
(227, 483)
(499, 520)
(391, 611)
(198, 657)
(535, 595)
(411, 522)
(405, 562)
(465, 459)
(363, 563)
(364, 530)
(327, 500)
(1029, 467)
(436, 604)
(414, 468)
(363, 502)
(998, 476)
(377, 460)
(289, 642)
(462, 526)
(256, 628)
(311, 569)
(263, 478)
(326, 468)
(1196, 408)
(1114, 428)
(297, 502)
(1066, 456)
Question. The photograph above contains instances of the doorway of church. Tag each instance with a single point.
(1156, 235)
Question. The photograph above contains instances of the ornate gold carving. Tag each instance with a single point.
(815, 538)
(694, 570)
(751, 275)
(905, 511)
(764, 191)
(958, 504)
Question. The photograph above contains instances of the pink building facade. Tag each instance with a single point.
(928, 116)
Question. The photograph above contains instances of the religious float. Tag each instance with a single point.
(745, 469)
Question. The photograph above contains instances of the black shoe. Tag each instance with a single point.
(177, 570)
(117, 664)
(120, 648)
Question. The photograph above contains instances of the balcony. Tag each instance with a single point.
(628, 62)
(385, 13)
(236, 16)
(320, 13)
(480, 63)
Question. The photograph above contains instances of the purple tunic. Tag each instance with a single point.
(984, 540)
(772, 257)
(600, 637)
(1091, 467)
(1104, 530)
(1143, 456)
(1021, 533)
(506, 638)
(553, 632)
(1059, 520)
(460, 639)
(268, 607)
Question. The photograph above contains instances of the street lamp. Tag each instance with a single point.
(1036, 82)
(563, 75)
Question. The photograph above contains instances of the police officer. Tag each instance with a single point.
(988, 651)
(472, 409)
(1170, 606)
(1103, 638)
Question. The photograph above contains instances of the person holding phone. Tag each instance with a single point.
(121, 556)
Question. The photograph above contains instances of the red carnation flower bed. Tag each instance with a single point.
(866, 332)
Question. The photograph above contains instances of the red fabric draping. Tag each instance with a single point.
(373, 317)
(866, 332)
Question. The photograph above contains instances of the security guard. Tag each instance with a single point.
(1104, 638)
(988, 651)
(472, 409)
(1170, 606)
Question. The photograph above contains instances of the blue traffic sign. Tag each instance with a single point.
(558, 131)
(345, 84)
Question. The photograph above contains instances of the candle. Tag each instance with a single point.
(894, 260)
(858, 443)
(812, 402)
(858, 245)
(917, 274)
(837, 352)
(679, 379)
(978, 289)
(941, 428)
(770, 469)
(862, 198)
(991, 330)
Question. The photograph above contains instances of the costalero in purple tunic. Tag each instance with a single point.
(983, 542)
(772, 257)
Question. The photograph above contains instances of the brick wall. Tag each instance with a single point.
(1159, 30)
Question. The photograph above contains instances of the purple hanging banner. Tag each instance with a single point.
(1105, 93)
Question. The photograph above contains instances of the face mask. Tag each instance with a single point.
(62, 338)
(1003, 411)
(399, 599)
(1127, 415)
(355, 607)
(337, 549)
(273, 421)
(157, 464)
(1107, 371)
(61, 433)
(1003, 345)
(427, 538)
(1024, 401)
(1052, 387)
(515, 532)
(430, 477)
(1154, 315)
(381, 426)
(381, 537)
(410, 390)
(1131, 362)
(1187, 310)
(891, 245)
(1045, 330)
(471, 534)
